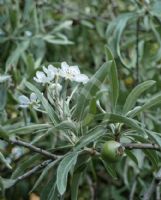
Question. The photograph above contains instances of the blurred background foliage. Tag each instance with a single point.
(38, 32)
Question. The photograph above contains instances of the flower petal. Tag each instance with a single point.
(64, 66)
(53, 69)
(74, 70)
(45, 69)
(40, 77)
(33, 97)
(24, 101)
(81, 78)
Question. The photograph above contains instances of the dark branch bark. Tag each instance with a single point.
(33, 148)
(32, 171)
(141, 146)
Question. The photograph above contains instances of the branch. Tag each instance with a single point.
(32, 171)
(155, 182)
(141, 146)
(33, 148)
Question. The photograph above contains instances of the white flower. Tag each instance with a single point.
(51, 71)
(25, 101)
(41, 77)
(72, 73)
(47, 75)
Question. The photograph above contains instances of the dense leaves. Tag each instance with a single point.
(53, 127)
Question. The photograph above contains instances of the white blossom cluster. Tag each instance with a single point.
(68, 72)
(47, 76)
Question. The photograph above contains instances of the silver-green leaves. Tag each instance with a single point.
(63, 169)
(135, 93)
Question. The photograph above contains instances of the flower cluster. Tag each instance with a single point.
(68, 72)
(48, 76)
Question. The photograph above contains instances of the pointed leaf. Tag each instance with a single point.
(90, 89)
(153, 101)
(109, 168)
(116, 118)
(63, 169)
(113, 77)
(43, 174)
(75, 186)
(131, 156)
(90, 137)
(3, 133)
(135, 93)
(4, 161)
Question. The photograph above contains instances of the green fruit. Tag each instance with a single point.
(112, 151)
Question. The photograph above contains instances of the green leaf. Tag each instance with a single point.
(4, 82)
(6, 183)
(29, 129)
(153, 157)
(116, 118)
(135, 93)
(109, 168)
(43, 174)
(113, 77)
(153, 101)
(91, 113)
(46, 105)
(50, 191)
(53, 40)
(65, 125)
(115, 31)
(154, 136)
(53, 194)
(63, 169)
(75, 185)
(4, 161)
(131, 156)
(90, 89)
(3, 133)
(15, 55)
(25, 164)
(90, 137)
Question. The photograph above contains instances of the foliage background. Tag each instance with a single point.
(42, 32)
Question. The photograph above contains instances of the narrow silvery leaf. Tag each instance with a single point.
(135, 93)
(113, 77)
(90, 89)
(63, 169)
(46, 105)
(4, 161)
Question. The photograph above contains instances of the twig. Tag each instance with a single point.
(32, 171)
(33, 148)
(155, 182)
(141, 146)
